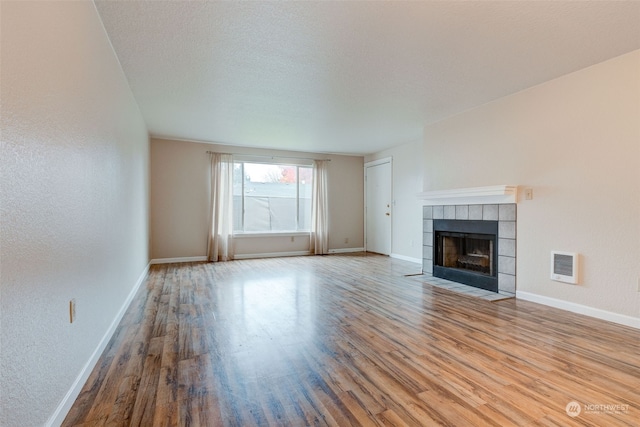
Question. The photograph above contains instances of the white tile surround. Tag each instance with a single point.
(506, 216)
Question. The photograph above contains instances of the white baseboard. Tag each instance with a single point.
(174, 260)
(621, 319)
(271, 255)
(345, 250)
(65, 405)
(406, 258)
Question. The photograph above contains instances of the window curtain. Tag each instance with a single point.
(319, 241)
(220, 245)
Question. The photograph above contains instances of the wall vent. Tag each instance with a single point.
(564, 267)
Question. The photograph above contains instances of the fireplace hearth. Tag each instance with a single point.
(466, 252)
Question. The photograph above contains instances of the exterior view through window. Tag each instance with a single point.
(271, 198)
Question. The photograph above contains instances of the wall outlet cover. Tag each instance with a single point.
(72, 310)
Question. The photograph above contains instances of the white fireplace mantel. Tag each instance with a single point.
(497, 194)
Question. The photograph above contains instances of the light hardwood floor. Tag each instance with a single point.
(349, 340)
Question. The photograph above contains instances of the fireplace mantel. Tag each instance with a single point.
(497, 194)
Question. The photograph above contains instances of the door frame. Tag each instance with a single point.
(372, 164)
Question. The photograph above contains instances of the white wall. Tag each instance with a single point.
(180, 197)
(406, 220)
(74, 194)
(576, 141)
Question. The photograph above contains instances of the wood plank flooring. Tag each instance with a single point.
(348, 340)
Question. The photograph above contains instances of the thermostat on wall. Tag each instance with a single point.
(564, 267)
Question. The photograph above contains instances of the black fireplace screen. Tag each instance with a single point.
(473, 252)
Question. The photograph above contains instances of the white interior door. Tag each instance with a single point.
(378, 206)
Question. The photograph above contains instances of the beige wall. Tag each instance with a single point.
(74, 192)
(406, 221)
(180, 197)
(576, 141)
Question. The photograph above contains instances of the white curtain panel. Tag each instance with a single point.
(319, 244)
(220, 246)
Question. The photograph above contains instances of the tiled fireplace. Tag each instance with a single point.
(477, 257)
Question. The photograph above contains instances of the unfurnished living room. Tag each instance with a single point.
(344, 213)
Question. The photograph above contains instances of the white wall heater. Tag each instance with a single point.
(564, 267)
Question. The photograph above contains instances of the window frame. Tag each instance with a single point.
(273, 162)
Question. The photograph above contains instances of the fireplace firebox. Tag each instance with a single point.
(466, 252)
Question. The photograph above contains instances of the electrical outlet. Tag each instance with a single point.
(293, 239)
(72, 310)
(346, 240)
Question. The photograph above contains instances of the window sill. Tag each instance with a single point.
(269, 234)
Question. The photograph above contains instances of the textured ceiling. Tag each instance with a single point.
(346, 77)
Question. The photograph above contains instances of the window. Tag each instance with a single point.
(271, 197)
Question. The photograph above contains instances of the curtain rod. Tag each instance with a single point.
(272, 157)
